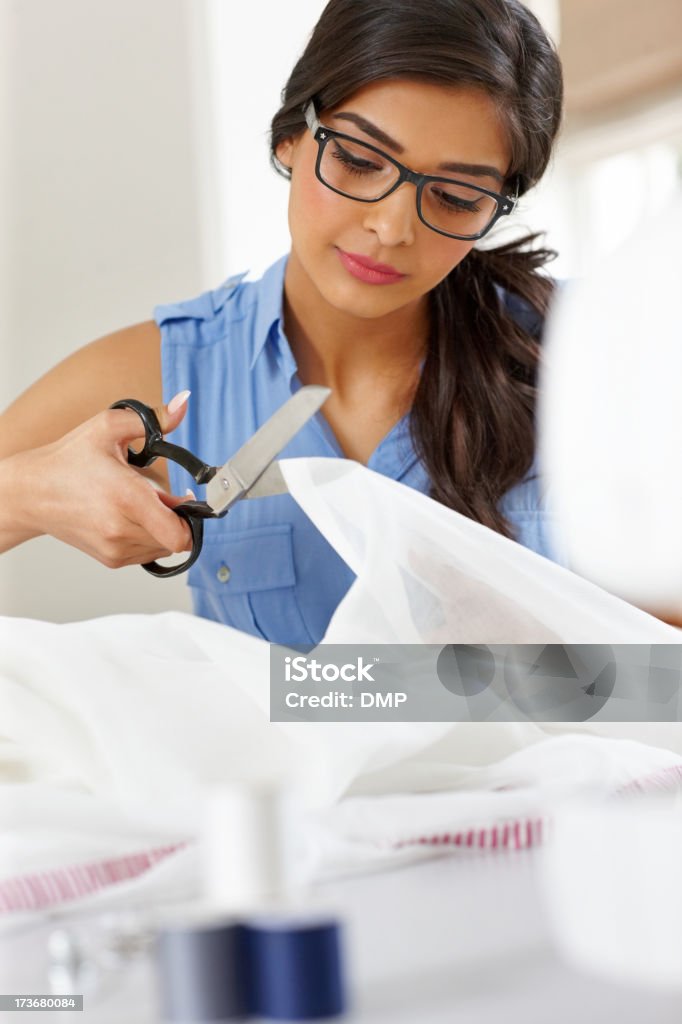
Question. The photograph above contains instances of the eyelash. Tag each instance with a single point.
(454, 204)
(460, 205)
(355, 166)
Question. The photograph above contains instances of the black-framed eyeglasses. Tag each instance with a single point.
(362, 172)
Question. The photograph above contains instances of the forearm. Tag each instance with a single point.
(16, 525)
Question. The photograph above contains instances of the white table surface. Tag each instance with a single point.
(462, 937)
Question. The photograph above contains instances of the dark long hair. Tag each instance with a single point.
(473, 414)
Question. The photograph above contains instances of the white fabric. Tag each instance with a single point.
(429, 575)
(112, 729)
(117, 726)
(611, 429)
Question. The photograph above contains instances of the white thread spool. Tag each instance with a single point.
(249, 846)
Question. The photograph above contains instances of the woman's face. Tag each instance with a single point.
(432, 125)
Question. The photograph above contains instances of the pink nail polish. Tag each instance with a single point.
(178, 401)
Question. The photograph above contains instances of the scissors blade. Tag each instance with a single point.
(239, 473)
(270, 482)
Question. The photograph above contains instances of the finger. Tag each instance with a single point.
(173, 500)
(166, 529)
(125, 425)
(170, 415)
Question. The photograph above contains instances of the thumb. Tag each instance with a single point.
(126, 425)
(169, 416)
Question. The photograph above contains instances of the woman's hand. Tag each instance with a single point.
(81, 490)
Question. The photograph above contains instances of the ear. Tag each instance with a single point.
(284, 152)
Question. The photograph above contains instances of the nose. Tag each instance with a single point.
(393, 219)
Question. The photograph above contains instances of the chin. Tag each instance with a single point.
(364, 307)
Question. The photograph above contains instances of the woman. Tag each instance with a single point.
(407, 131)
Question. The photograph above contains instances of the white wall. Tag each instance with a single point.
(254, 47)
(100, 215)
(133, 170)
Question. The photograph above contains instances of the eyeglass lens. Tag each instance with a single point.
(360, 173)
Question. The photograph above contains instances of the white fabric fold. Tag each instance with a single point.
(427, 574)
(113, 730)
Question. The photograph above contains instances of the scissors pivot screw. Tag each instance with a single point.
(247, 467)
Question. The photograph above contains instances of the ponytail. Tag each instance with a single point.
(473, 414)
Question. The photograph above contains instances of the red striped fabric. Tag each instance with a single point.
(666, 779)
(46, 888)
(40, 890)
(516, 834)
(522, 833)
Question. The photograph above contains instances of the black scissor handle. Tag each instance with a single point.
(155, 446)
(194, 513)
(152, 431)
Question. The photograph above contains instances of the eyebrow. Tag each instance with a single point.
(477, 170)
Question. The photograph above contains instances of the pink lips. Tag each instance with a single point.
(367, 270)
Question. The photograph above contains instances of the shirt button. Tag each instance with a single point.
(223, 573)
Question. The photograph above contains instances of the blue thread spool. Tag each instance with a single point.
(202, 972)
(294, 968)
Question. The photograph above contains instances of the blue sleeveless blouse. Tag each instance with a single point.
(265, 569)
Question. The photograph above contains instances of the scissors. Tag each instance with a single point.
(249, 473)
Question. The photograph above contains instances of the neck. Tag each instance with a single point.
(335, 348)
